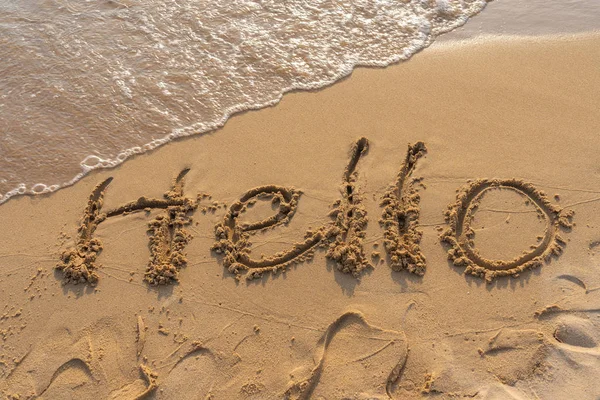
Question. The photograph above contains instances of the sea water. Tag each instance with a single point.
(86, 84)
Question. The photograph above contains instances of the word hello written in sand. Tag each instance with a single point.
(342, 237)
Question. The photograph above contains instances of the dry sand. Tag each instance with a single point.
(306, 294)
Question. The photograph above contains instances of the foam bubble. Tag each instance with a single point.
(40, 188)
(92, 162)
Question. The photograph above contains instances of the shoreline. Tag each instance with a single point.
(499, 20)
(445, 42)
(488, 39)
(128, 111)
(533, 18)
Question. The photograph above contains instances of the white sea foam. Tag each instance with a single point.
(88, 84)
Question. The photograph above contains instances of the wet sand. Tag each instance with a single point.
(301, 296)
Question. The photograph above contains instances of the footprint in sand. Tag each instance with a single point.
(515, 354)
(190, 367)
(498, 391)
(354, 359)
(573, 354)
(576, 354)
(530, 364)
(64, 364)
(577, 332)
(545, 362)
(74, 379)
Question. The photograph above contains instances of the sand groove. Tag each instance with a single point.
(400, 217)
(304, 388)
(141, 335)
(350, 219)
(459, 235)
(233, 238)
(343, 235)
(168, 237)
(79, 264)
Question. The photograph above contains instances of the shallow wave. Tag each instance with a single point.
(89, 84)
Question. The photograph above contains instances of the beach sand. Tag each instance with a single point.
(521, 111)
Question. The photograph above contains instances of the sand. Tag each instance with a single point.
(329, 276)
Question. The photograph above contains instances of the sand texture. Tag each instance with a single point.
(428, 230)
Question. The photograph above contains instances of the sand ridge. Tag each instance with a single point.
(233, 239)
(342, 236)
(79, 264)
(350, 219)
(400, 217)
(304, 388)
(459, 233)
(168, 237)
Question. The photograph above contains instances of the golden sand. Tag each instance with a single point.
(333, 310)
